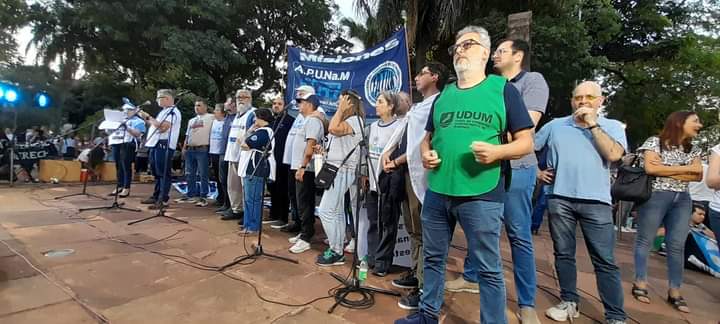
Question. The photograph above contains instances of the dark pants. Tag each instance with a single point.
(279, 197)
(141, 164)
(306, 205)
(161, 162)
(215, 166)
(387, 234)
(371, 204)
(292, 194)
(596, 223)
(124, 155)
(224, 181)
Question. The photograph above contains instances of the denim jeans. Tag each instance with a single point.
(673, 209)
(162, 170)
(596, 223)
(196, 164)
(332, 208)
(539, 208)
(481, 221)
(517, 218)
(714, 222)
(253, 188)
(124, 155)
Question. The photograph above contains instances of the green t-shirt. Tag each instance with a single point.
(460, 117)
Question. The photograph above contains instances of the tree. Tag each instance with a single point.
(13, 15)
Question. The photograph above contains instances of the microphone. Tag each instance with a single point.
(146, 103)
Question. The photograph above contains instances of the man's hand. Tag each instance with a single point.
(299, 174)
(587, 115)
(364, 183)
(430, 159)
(244, 147)
(547, 176)
(143, 114)
(485, 153)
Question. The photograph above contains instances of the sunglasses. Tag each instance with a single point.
(587, 97)
(466, 45)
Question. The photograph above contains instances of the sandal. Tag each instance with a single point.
(641, 294)
(678, 303)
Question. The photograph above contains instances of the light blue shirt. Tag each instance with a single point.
(580, 171)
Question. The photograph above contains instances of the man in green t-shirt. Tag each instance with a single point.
(466, 148)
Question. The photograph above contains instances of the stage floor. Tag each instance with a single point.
(127, 284)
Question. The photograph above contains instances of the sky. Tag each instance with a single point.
(24, 35)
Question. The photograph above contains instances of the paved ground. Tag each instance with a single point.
(126, 284)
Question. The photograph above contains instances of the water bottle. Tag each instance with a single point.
(362, 275)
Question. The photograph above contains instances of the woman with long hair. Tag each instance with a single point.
(673, 162)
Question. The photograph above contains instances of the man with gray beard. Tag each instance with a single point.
(244, 119)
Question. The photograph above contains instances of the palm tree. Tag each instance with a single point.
(54, 38)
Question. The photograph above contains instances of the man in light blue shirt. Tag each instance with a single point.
(580, 150)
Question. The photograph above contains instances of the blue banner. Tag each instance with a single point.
(381, 68)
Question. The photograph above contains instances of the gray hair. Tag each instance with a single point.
(166, 92)
(482, 32)
(244, 91)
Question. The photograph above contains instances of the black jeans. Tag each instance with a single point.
(292, 194)
(373, 234)
(224, 180)
(306, 205)
(388, 227)
(215, 169)
(279, 194)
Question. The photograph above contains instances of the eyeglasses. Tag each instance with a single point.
(586, 97)
(243, 97)
(501, 51)
(421, 73)
(160, 97)
(464, 45)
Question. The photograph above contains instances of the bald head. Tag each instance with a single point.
(587, 94)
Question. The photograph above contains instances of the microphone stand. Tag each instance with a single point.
(259, 249)
(115, 204)
(352, 285)
(161, 211)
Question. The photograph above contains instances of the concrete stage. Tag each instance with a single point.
(127, 284)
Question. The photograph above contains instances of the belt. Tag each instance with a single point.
(198, 147)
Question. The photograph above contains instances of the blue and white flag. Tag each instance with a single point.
(381, 68)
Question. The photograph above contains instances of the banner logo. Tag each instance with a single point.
(385, 77)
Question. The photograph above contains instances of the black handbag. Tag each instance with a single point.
(325, 178)
(632, 183)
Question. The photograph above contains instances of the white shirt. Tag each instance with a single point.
(216, 136)
(699, 191)
(379, 136)
(237, 134)
(247, 156)
(416, 120)
(296, 126)
(171, 115)
(715, 201)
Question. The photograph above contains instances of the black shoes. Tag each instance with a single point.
(149, 201)
(294, 228)
(411, 301)
(408, 281)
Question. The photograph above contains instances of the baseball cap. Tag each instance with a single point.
(306, 89)
(129, 107)
(312, 98)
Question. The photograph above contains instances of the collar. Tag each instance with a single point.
(519, 76)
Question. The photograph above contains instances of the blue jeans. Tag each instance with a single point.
(517, 217)
(162, 168)
(196, 163)
(253, 188)
(596, 223)
(332, 209)
(481, 221)
(124, 155)
(539, 209)
(673, 209)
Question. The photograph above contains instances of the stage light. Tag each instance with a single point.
(42, 100)
(2, 93)
(11, 96)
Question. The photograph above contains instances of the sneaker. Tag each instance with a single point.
(220, 210)
(408, 281)
(230, 215)
(462, 285)
(148, 201)
(527, 315)
(350, 248)
(113, 192)
(124, 193)
(417, 318)
(279, 225)
(561, 312)
(269, 221)
(158, 205)
(294, 228)
(181, 200)
(330, 258)
(300, 246)
(294, 239)
(625, 229)
(411, 301)
(614, 321)
(202, 202)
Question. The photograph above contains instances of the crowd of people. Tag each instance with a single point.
(467, 153)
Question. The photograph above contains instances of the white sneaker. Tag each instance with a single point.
(350, 248)
(294, 239)
(561, 312)
(300, 247)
